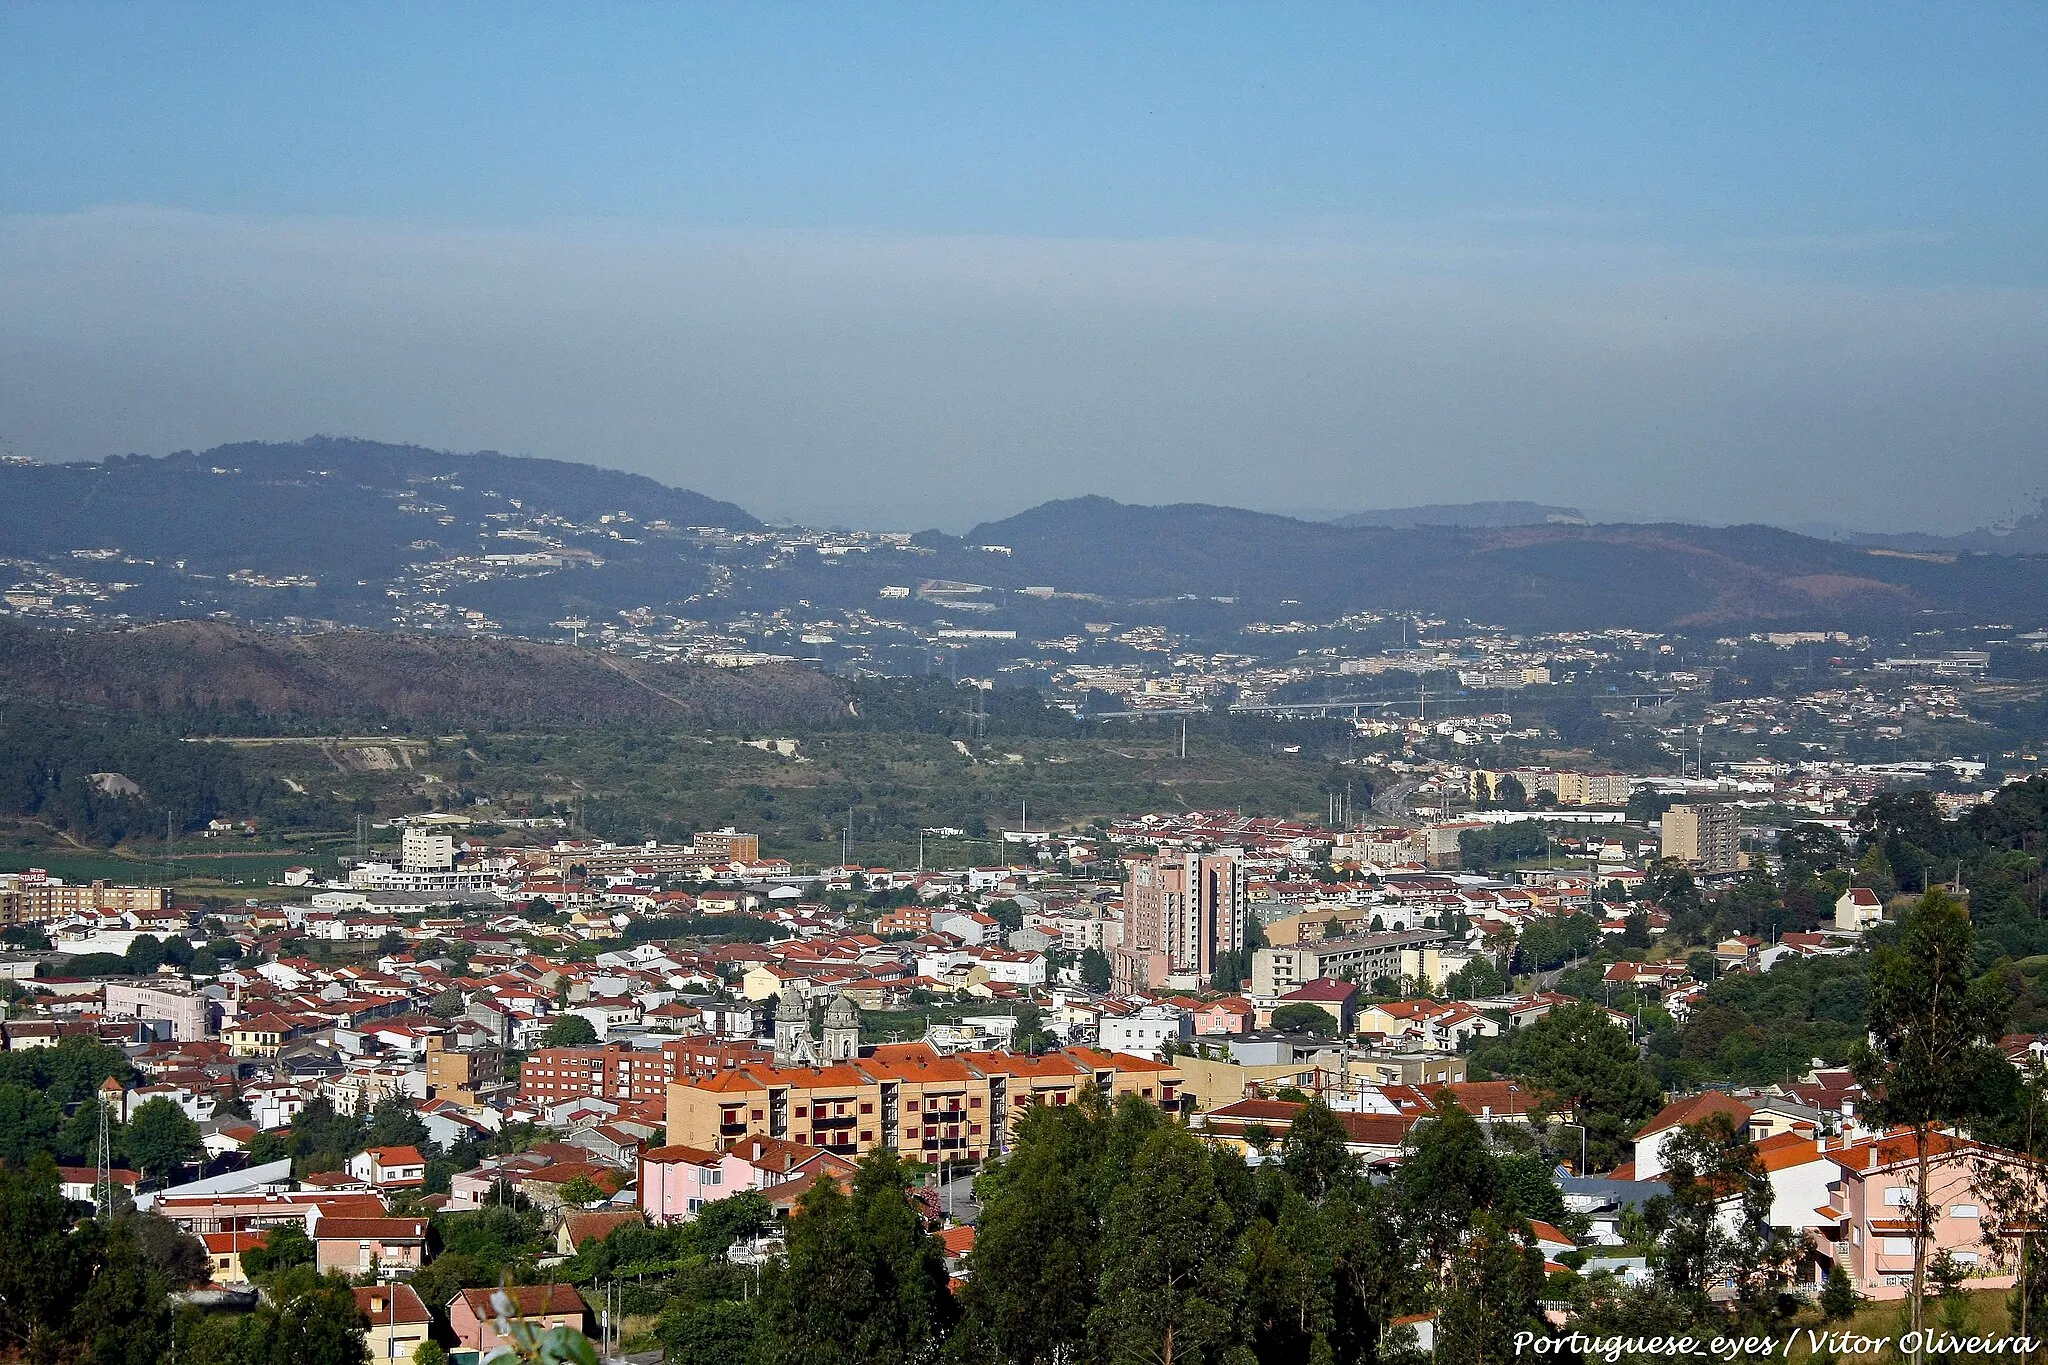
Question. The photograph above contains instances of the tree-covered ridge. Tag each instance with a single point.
(194, 671)
(324, 505)
(49, 759)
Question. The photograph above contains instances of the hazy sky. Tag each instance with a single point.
(895, 265)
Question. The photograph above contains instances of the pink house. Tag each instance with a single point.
(677, 1181)
(542, 1306)
(1869, 1214)
(1229, 1016)
(356, 1245)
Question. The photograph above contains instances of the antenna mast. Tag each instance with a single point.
(103, 1167)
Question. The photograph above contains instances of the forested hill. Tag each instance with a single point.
(195, 667)
(1652, 577)
(345, 531)
(327, 500)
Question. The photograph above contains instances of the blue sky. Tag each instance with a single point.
(926, 264)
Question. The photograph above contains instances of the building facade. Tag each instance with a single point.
(28, 898)
(1359, 958)
(190, 1016)
(905, 1096)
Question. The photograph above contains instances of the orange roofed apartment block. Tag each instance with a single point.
(905, 1096)
(1868, 1223)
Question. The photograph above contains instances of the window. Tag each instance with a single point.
(1897, 1196)
(1963, 1211)
(867, 1135)
(714, 1176)
(911, 1133)
(1896, 1246)
(974, 1103)
(801, 1111)
(867, 1107)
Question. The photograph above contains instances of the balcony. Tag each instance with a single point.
(731, 1129)
(842, 1121)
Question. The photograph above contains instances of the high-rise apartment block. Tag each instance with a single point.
(1704, 837)
(425, 850)
(1182, 912)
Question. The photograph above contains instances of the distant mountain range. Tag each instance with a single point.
(1552, 576)
(2027, 535)
(1463, 514)
(355, 533)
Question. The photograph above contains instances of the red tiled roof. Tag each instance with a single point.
(1322, 988)
(528, 1301)
(694, 1156)
(1695, 1109)
(394, 1304)
(371, 1229)
(595, 1227)
(397, 1156)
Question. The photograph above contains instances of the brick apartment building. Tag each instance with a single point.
(905, 1096)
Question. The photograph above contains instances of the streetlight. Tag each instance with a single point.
(1582, 1141)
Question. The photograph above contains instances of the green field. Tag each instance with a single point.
(200, 872)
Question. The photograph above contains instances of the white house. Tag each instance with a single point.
(1858, 909)
(1145, 1031)
(1011, 966)
(1651, 1137)
(1800, 1173)
(388, 1168)
(968, 926)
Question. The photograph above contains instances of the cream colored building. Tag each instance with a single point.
(1706, 838)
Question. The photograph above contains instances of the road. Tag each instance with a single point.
(1392, 802)
(957, 1197)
